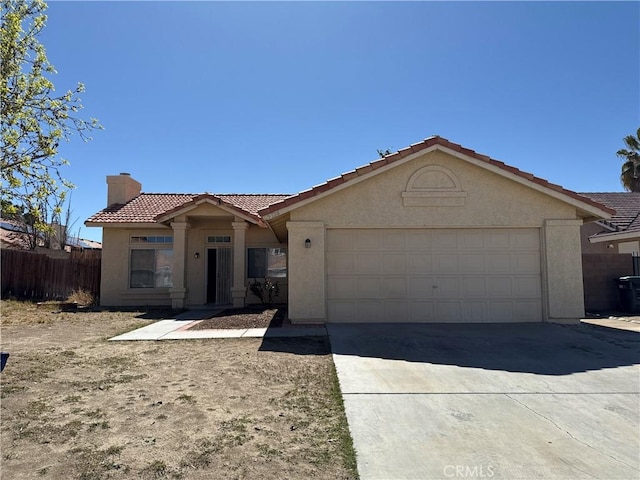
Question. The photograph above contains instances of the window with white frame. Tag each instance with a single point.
(266, 263)
(218, 238)
(151, 267)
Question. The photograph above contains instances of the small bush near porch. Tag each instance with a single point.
(77, 406)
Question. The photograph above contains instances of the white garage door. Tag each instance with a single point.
(434, 275)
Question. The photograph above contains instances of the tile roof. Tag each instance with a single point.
(417, 147)
(146, 207)
(626, 206)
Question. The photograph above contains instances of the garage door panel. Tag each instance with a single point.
(370, 310)
(472, 263)
(446, 263)
(341, 241)
(527, 311)
(527, 287)
(342, 288)
(396, 311)
(419, 263)
(342, 311)
(420, 287)
(422, 311)
(394, 240)
(368, 287)
(525, 240)
(432, 275)
(341, 263)
(498, 263)
(445, 240)
(394, 263)
(472, 240)
(368, 240)
(498, 240)
(500, 311)
(419, 241)
(367, 263)
(475, 312)
(500, 287)
(395, 287)
(448, 287)
(448, 311)
(474, 287)
(525, 262)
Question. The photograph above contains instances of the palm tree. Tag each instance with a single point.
(630, 176)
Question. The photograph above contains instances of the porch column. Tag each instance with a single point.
(239, 289)
(179, 291)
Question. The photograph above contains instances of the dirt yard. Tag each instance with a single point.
(75, 406)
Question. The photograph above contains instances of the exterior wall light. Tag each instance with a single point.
(196, 255)
(307, 243)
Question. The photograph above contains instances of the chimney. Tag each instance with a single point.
(122, 188)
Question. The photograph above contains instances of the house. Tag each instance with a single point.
(610, 249)
(17, 235)
(432, 233)
(621, 232)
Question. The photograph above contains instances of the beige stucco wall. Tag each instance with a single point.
(489, 200)
(205, 221)
(307, 296)
(563, 268)
(114, 282)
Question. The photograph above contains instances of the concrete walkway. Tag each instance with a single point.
(178, 329)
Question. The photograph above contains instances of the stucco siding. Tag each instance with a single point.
(114, 288)
(440, 191)
(490, 200)
(114, 284)
(563, 269)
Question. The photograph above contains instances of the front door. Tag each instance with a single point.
(219, 261)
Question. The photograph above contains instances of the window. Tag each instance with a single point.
(152, 239)
(267, 263)
(219, 239)
(151, 268)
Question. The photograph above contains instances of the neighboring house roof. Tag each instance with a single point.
(150, 207)
(13, 235)
(287, 204)
(625, 223)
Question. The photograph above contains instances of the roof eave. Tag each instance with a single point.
(212, 200)
(614, 236)
(587, 209)
(125, 224)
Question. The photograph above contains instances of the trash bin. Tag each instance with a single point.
(629, 288)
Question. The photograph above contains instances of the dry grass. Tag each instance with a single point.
(82, 297)
(76, 406)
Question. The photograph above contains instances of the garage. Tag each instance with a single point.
(434, 275)
(434, 233)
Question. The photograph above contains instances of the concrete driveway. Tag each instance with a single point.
(511, 401)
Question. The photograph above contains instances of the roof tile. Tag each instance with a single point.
(626, 206)
(147, 206)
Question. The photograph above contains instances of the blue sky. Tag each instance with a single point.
(243, 97)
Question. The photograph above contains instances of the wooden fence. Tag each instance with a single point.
(36, 276)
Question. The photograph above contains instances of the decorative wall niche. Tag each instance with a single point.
(433, 186)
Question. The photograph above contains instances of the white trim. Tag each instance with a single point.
(219, 203)
(614, 236)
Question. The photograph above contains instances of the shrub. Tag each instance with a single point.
(265, 291)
